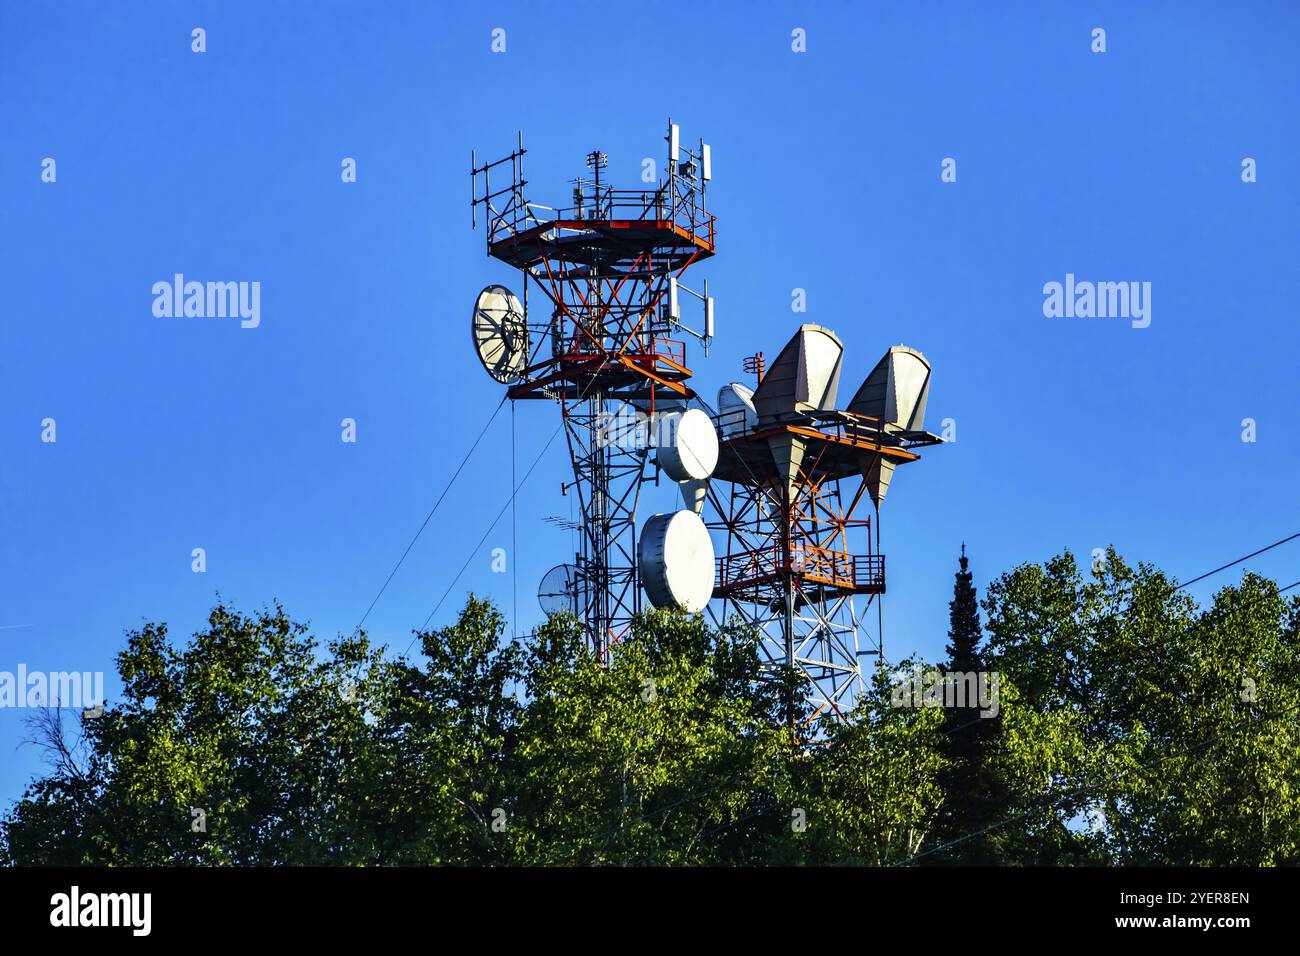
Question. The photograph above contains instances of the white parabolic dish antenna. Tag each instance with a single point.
(688, 445)
(675, 556)
(558, 592)
(501, 334)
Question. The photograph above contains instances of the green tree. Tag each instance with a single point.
(446, 735)
(1133, 728)
(974, 797)
(868, 794)
(1183, 720)
(663, 754)
(238, 749)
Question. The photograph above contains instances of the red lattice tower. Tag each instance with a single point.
(609, 268)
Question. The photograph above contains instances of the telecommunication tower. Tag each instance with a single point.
(798, 564)
(607, 346)
(783, 469)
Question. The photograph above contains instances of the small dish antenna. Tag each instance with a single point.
(558, 592)
(501, 334)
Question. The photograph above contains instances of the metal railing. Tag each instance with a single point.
(674, 350)
(663, 205)
(643, 345)
(836, 425)
(807, 562)
(869, 571)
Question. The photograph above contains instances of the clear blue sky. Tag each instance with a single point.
(175, 433)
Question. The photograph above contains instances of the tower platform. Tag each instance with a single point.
(835, 446)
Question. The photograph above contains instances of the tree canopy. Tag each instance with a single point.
(1131, 727)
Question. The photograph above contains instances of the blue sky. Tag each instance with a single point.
(183, 433)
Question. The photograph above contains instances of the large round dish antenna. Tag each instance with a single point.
(501, 334)
(675, 557)
(688, 445)
(558, 592)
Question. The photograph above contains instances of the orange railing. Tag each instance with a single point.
(805, 561)
(672, 349)
(581, 347)
(837, 425)
(684, 211)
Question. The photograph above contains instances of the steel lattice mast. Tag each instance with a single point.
(797, 564)
(785, 471)
(609, 267)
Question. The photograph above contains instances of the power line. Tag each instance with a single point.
(1167, 638)
(1281, 591)
(605, 836)
(1084, 790)
(975, 833)
(1230, 564)
(494, 523)
(513, 492)
(429, 516)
